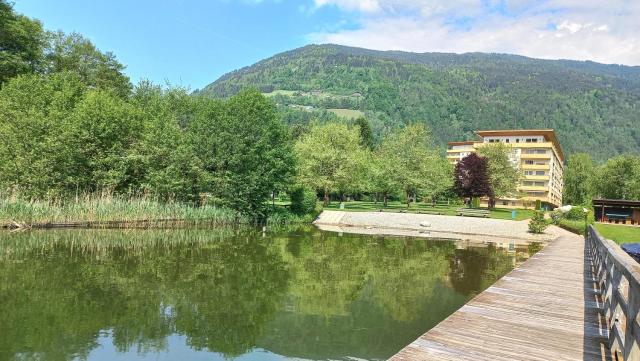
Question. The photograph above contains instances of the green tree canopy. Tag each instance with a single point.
(74, 53)
(246, 148)
(503, 175)
(164, 162)
(366, 134)
(35, 123)
(330, 158)
(21, 42)
(619, 178)
(578, 179)
(407, 162)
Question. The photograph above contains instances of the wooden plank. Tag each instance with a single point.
(549, 308)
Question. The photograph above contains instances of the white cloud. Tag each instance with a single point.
(367, 6)
(607, 32)
(571, 27)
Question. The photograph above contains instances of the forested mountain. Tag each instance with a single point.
(595, 108)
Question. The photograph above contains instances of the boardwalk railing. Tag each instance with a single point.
(618, 276)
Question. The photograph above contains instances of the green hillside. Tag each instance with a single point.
(594, 107)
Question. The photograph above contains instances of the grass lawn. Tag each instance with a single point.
(280, 92)
(619, 233)
(576, 227)
(358, 206)
(347, 113)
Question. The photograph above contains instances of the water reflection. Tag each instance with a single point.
(113, 294)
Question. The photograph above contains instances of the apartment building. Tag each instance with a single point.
(536, 154)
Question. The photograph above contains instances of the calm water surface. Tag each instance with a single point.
(230, 294)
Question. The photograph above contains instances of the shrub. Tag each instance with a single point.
(280, 216)
(303, 201)
(475, 202)
(576, 227)
(538, 205)
(537, 224)
(557, 217)
(576, 213)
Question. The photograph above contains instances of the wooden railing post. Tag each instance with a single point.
(631, 328)
(618, 278)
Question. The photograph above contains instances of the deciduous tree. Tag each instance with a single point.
(330, 158)
(246, 149)
(471, 177)
(75, 53)
(503, 174)
(21, 42)
(619, 178)
(408, 162)
(578, 179)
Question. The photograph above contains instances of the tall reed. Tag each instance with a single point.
(103, 208)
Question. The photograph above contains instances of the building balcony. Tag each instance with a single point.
(460, 150)
(533, 188)
(535, 156)
(532, 145)
(534, 166)
(536, 177)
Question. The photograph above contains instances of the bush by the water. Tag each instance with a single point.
(303, 201)
(537, 224)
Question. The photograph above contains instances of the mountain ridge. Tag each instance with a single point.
(594, 107)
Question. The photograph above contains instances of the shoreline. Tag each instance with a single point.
(479, 230)
(116, 224)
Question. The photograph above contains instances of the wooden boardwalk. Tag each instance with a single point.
(549, 308)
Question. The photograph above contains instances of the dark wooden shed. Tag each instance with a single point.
(619, 211)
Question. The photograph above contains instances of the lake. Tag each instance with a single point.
(218, 294)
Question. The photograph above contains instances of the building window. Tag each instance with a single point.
(534, 172)
(534, 184)
(535, 151)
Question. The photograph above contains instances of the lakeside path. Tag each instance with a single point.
(548, 308)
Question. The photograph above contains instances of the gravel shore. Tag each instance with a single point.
(433, 226)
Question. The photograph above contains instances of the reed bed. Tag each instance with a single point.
(94, 210)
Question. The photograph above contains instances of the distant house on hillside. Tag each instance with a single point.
(537, 155)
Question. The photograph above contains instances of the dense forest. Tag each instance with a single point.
(595, 108)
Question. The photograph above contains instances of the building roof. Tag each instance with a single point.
(616, 202)
(549, 134)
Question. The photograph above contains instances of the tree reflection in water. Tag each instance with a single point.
(297, 293)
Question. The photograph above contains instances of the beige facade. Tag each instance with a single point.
(536, 154)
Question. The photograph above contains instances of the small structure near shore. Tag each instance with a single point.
(620, 211)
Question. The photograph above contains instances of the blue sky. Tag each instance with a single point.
(192, 42)
(189, 43)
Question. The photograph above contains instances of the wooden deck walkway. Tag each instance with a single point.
(549, 308)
